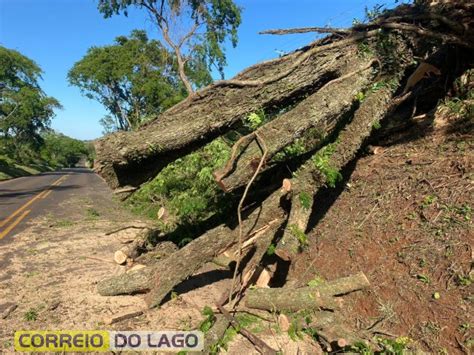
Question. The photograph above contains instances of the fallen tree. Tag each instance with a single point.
(322, 103)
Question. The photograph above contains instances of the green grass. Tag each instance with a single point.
(10, 169)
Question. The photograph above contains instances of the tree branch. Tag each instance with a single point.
(340, 31)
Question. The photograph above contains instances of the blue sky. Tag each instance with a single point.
(57, 33)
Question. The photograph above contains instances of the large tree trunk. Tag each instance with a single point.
(311, 121)
(129, 159)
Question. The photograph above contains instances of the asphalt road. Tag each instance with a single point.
(24, 198)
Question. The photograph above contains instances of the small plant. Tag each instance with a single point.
(423, 278)
(428, 201)
(305, 200)
(208, 322)
(465, 327)
(271, 249)
(376, 125)
(255, 120)
(294, 332)
(321, 161)
(374, 12)
(360, 96)
(31, 315)
(293, 150)
(299, 234)
(316, 281)
(463, 280)
(92, 213)
(394, 346)
(62, 223)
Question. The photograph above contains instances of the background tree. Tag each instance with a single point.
(135, 79)
(25, 110)
(61, 150)
(191, 28)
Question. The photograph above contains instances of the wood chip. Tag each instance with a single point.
(120, 257)
(121, 317)
(9, 310)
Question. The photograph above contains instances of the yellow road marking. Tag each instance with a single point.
(5, 221)
(46, 194)
(56, 183)
(13, 225)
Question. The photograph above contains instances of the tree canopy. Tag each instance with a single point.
(25, 110)
(135, 79)
(190, 28)
(61, 150)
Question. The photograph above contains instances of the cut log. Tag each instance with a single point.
(309, 179)
(305, 297)
(215, 334)
(309, 122)
(126, 283)
(180, 265)
(189, 259)
(120, 257)
(131, 251)
(161, 251)
(331, 329)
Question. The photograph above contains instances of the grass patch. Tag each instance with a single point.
(62, 223)
(31, 315)
(10, 169)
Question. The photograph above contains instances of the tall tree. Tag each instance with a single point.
(135, 79)
(25, 110)
(189, 27)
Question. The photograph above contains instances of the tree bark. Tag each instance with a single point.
(310, 122)
(169, 272)
(279, 299)
(131, 158)
(189, 259)
(309, 179)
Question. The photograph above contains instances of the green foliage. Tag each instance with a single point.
(271, 249)
(63, 151)
(208, 322)
(217, 21)
(398, 346)
(316, 281)
(25, 110)
(135, 79)
(299, 234)
(305, 200)
(186, 188)
(31, 315)
(322, 162)
(423, 278)
(92, 213)
(291, 151)
(255, 120)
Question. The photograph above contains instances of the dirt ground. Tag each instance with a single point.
(403, 217)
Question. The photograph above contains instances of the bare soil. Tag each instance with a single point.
(404, 217)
